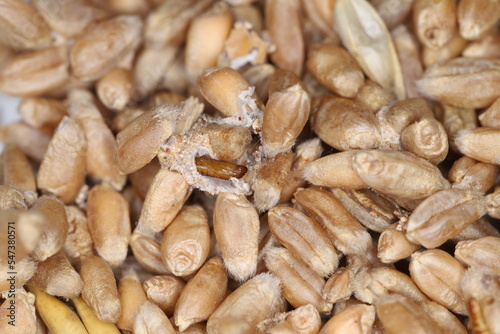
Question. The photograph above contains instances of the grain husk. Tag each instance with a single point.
(366, 37)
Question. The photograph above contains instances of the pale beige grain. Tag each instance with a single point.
(99, 289)
(186, 241)
(236, 228)
(439, 276)
(443, 216)
(57, 277)
(202, 294)
(66, 154)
